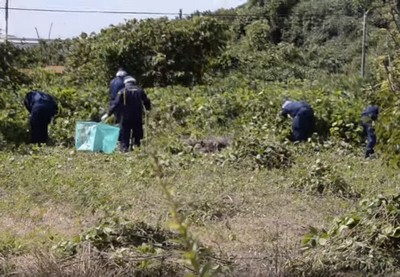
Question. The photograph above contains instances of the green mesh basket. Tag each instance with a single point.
(96, 137)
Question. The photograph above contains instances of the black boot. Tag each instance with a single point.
(369, 152)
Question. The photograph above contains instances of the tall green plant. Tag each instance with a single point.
(192, 249)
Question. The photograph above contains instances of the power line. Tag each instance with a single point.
(128, 12)
(88, 11)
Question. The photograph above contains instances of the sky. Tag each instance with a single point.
(67, 25)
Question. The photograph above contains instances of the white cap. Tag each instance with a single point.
(287, 102)
(129, 79)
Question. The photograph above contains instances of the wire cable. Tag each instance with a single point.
(87, 11)
(129, 12)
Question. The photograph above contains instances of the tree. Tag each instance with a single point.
(260, 3)
(158, 52)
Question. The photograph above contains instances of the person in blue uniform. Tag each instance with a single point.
(368, 117)
(130, 102)
(303, 119)
(42, 108)
(116, 85)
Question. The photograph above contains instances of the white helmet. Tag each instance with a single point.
(129, 79)
(287, 102)
(121, 73)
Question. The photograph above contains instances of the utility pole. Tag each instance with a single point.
(51, 26)
(6, 13)
(364, 38)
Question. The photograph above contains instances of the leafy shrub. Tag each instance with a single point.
(9, 74)
(257, 150)
(158, 52)
(258, 34)
(314, 22)
(365, 241)
(387, 126)
(45, 53)
(321, 179)
(116, 233)
(12, 126)
(120, 242)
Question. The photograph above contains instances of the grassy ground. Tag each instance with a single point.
(255, 218)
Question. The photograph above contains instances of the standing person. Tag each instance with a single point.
(303, 119)
(116, 85)
(368, 118)
(42, 107)
(130, 102)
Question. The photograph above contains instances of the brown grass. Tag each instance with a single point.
(251, 218)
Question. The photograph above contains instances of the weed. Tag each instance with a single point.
(322, 178)
(364, 241)
(192, 249)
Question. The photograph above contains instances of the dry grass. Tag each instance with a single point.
(86, 264)
(252, 218)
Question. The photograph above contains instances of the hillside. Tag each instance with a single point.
(218, 188)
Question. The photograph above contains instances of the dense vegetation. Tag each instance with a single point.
(216, 163)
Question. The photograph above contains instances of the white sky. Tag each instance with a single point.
(23, 23)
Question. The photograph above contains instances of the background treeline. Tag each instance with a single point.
(260, 42)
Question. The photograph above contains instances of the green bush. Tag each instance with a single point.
(324, 179)
(364, 241)
(158, 52)
(9, 74)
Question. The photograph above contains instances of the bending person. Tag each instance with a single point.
(303, 119)
(42, 108)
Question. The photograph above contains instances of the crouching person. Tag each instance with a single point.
(368, 118)
(42, 108)
(303, 119)
(129, 102)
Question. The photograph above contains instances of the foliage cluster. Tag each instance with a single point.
(9, 74)
(275, 40)
(133, 245)
(322, 178)
(52, 52)
(286, 39)
(158, 52)
(365, 240)
(253, 149)
(387, 73)
(228, 108)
